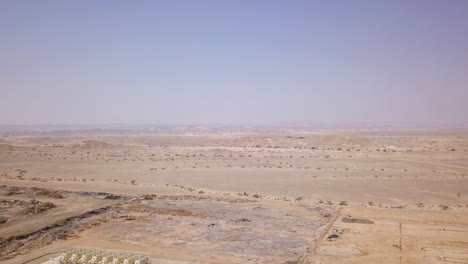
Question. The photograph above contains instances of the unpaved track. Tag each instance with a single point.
(305, 259)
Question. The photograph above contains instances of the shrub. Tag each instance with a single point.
(148, 197)
(444, 207)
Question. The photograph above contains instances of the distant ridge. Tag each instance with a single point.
(94, 144)
(338, 140)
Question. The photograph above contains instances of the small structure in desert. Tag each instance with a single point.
(99, 256)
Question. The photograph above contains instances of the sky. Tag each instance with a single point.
(233, 62)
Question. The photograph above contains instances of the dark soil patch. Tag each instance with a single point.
(357, 220)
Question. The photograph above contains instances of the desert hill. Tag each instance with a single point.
(6, 147)
(94, 144)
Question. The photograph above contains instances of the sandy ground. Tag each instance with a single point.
(267, 196)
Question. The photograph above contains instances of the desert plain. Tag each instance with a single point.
(219, 195)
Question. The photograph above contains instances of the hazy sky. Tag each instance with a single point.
(240, 61)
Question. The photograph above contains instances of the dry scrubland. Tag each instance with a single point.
(292, 196)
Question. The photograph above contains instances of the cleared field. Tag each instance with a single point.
(395, 236)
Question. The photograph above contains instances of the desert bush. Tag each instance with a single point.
(50, 193)
(243, 220)
(12, 191)
(38, 207)
(148, 197)
(444, 207)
